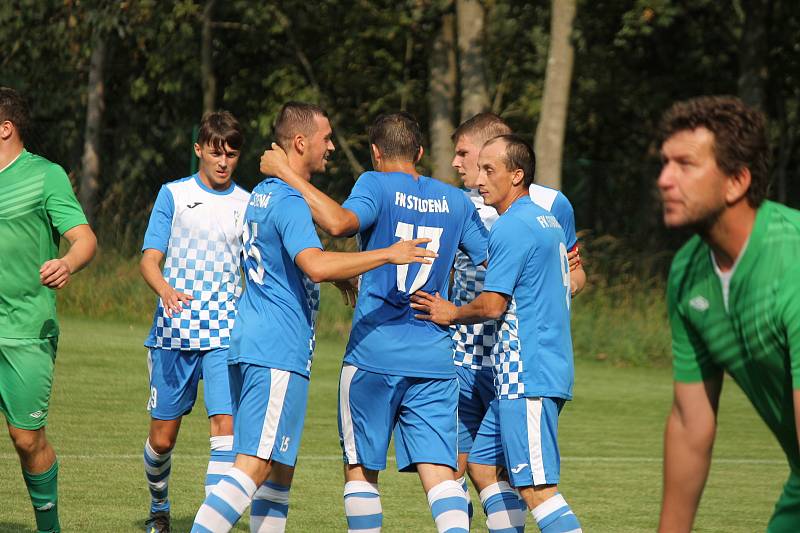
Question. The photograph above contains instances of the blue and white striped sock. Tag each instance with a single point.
(362, 506)
(501, 505)
(156, 469)
(555, 516)
(470, 510)
(220, 461)
(449, 507)
(226, 503)
(269, 509)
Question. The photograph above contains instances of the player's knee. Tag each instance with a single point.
(162, 443)
(28, 443)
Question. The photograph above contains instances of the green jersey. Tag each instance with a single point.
(37, 206)
(756, 336)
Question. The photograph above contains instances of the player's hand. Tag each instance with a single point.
(433, 308)
(349, 290)
(404, 252)
(574, 259)
(54, 273)
(273, 161)
(173, 301)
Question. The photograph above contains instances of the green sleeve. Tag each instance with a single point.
(790, 318)
(62, 207)
(691, 360)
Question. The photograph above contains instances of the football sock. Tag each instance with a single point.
(449, 507)
(470, 510)
(270, 508)
(220, 461)
(43, 490)
(555, 516)
(225, 504)
(156, 469)
(501, 505)
(362, 506)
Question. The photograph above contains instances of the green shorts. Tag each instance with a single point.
(786, 518)
(26, 378)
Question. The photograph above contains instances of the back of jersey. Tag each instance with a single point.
(386, 338)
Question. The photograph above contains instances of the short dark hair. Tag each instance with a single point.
(481, 128)
(740, 139)
(14, 108)
(518, 155)
(295, 118)
(397, 136)
(218, 128)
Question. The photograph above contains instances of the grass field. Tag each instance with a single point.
(610, 437)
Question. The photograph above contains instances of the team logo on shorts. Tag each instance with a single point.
(517, 469)
(37, 414)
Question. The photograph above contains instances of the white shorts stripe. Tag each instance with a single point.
(533, 408)
(279, 382)
(348, 371)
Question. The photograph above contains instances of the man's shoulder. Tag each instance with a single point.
(693, 255)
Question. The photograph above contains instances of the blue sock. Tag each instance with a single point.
(470, 509)
(362, 506)
(555, 516)
(449, 507)
(220, 461)
(270, 508)
(501, 505)
(226, 503)
(156, 469)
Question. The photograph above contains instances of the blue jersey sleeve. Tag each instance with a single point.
(562, 210)
(294, 224)
(364, 200)
(506, 258)
(160, 226)
(474, 237)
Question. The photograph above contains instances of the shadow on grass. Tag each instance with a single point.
(178, 524)
(14, 527)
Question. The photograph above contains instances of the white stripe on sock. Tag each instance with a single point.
(211, 519)
(358, 505)
(548, 507)
(221, 443)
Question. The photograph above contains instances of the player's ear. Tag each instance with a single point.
(198, 151)
(517, 177)
(299, 144)
(737, 185)
(375, 153)
(419, 155)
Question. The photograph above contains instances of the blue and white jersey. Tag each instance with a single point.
(278, 311)
(199, 232)
(385, 337)
(473, 343)
(528, 261)
(555, 202)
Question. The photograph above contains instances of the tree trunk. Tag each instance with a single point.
(555, 100)
(89, 184)
(209, 80)
(474, 93)
(753, 49)
(441, 99)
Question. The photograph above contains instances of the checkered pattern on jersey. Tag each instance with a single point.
(200, 264)
(312, 296)
(507, 357)
(472, 343)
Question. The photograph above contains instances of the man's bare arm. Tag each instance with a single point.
(487, 306)
(56, 273)
(688, 441)
(150, 268)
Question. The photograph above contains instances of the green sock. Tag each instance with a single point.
(43, 489)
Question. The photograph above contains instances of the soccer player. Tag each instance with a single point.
(273, 339)
(527, 287)
(37, 208)
(398, 374)
(733, 297)
(473, 343)
(195, 229)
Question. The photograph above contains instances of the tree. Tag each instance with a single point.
(549, 144)
(441, 98)
(474, 93)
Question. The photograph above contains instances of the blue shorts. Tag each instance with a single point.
(529, 435)
(420, 411)
(488, 448)
(269, 409)
(476, 391)
(174, 376)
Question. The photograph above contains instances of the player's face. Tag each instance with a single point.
(691, 184)
(466, 161)
(320, 145)
(217, 164)
(494, 180)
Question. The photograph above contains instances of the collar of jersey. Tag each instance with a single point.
(751, 251)
(19, 156)
(202, 185)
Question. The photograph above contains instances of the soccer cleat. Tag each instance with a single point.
(157, 523)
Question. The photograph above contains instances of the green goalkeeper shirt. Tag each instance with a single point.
(757, 338)
(37, 206)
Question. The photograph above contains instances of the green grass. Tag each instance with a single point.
(610, 437)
